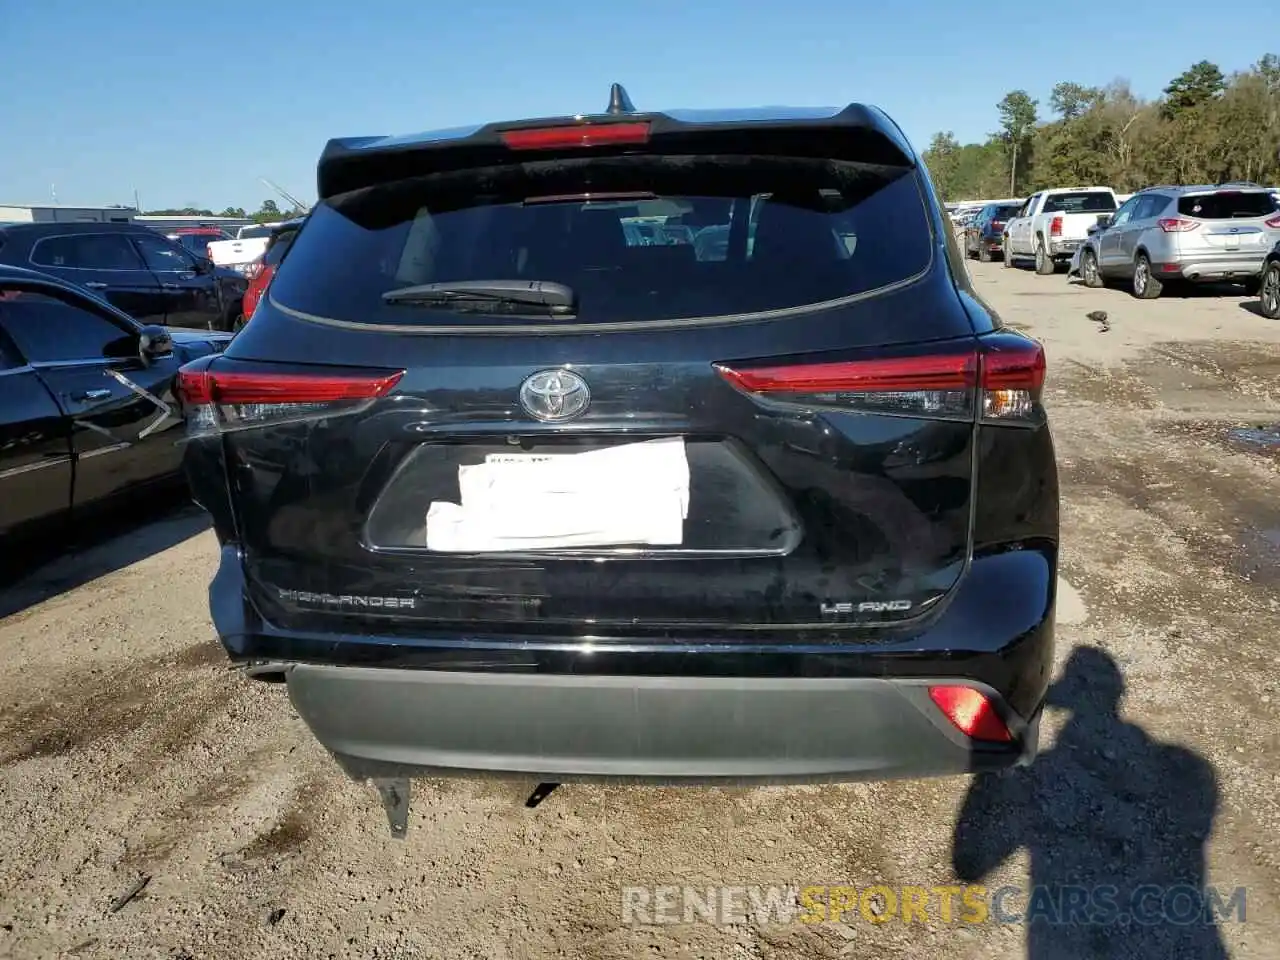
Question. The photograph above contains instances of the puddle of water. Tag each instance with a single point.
(1265, 436)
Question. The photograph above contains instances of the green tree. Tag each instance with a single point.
(269, 212)
(1195, 86)
(1017, 120)
(1070, 100)
(233, 212)
(942, 160)
(1206, 128)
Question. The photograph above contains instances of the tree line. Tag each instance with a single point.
(269, 212)
(1206, 127)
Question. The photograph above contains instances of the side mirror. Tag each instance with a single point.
(1104, 221)
(204, 266)
(154, 343)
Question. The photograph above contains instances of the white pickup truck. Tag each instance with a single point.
(1053, 223)
(250, 244)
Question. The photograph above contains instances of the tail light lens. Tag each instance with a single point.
(223, 401)
(1005, 376)
(1176, 224)
(971, 713)
(997, 224)
(1055, 227)
(1273, 223)
(576, 135)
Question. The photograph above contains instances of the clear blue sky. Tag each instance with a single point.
(192, 102)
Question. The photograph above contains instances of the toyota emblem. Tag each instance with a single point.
(554, 395)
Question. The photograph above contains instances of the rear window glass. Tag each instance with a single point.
(662, 238)
(278, 247)
(1086, 201)
(1227, 205)
(254, 233)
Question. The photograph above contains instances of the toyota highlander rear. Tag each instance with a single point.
(503, 489)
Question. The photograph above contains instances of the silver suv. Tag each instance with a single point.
(1200, 234)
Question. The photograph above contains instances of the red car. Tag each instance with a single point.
(197, 239)
(260, 272)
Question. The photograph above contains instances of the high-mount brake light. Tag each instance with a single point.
(576, 135)
(1008, 377)
(218, 401)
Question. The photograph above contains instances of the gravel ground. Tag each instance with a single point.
(128, 750)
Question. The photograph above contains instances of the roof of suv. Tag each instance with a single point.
(77, 227)
(1183, 188)
(349, 163)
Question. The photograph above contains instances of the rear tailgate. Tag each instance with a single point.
(1068, 216)
(232, 253)
(1229, 222)
(811, 390)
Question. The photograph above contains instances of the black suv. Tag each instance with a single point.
(144, 273)
(502, 489)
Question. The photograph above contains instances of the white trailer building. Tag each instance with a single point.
(57, 213)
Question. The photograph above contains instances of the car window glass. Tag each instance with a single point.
(1080, 201)
(1123, 214)
(86, 251)
(1151, 206)
(1227, 205)
(816, 232)
(279, 247)
(161, 255)
(9, 355)
(47, 329)
(197, 243)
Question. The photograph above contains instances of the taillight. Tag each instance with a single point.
(221, 401)
(1273, 223)
(971, 713)
(1012, 380)
(997, 224)
(1007, 373)
(576, 135)
(1176, 224)
(1055, 227)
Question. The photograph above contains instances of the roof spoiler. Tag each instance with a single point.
(857, 131)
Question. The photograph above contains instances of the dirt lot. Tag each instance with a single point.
(129, 750)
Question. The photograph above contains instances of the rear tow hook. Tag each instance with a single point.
(395, 794)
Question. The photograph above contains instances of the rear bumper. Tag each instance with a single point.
(395, 723)
(1064, 248)
(1211, 269)
(669, 711)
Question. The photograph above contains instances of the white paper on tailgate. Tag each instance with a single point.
(636, 493)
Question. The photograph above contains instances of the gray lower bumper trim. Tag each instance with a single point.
(387, 722)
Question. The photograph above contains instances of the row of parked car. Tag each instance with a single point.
(1150, 242)
(95, 321)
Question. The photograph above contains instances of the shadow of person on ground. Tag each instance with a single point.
(1115, 825)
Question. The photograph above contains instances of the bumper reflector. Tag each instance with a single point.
(971, 712)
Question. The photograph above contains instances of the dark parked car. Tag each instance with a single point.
(145, 274)
(87, 412)
(984, 235)
(501, 489)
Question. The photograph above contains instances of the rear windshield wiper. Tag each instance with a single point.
(524, 297)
